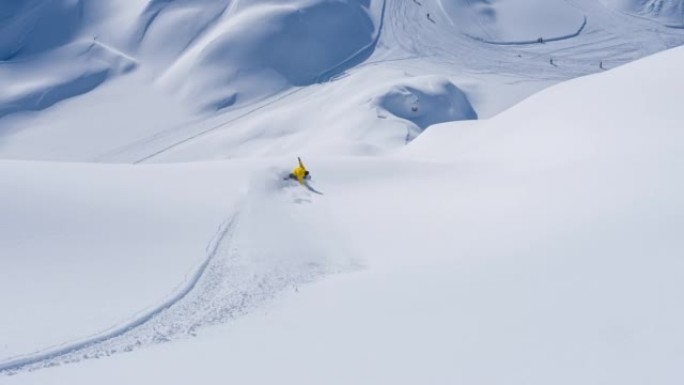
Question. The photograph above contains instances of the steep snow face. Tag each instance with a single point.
(514, 21)
(48, 53)
(76, 69)
(669, 12)
(266, 47)
(35, 26)
(222, 53)
(165, 29)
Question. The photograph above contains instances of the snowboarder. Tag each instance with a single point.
(300, 172)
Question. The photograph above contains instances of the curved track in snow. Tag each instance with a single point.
(49, 356)
(254, 255)
(546, 40)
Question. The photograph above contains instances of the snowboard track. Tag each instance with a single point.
(89, 346)
(236, 276)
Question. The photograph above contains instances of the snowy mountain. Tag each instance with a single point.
(188, 80)
(482, 211)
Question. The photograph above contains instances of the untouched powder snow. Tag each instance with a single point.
(540, 246)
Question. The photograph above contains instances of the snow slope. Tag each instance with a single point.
(149, 262)
(89, 245)
(540, 246)
(236, 63)
(507, 22)
(32, 27)
(668, 12)
(49, 53)
(220, 71)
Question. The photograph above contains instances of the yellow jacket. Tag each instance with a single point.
(300, 172)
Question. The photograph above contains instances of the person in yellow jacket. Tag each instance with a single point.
(300, 173)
